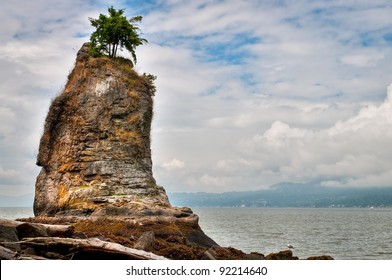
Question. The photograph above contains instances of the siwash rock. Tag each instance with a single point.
(95, 150)
(96, 163)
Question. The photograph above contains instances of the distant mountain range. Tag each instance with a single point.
(289, 195)
(280, 195)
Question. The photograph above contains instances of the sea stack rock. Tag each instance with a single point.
(95, 150)
(96, 163)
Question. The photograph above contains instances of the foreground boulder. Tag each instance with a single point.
(282, 255)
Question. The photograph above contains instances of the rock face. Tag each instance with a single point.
(95, 150)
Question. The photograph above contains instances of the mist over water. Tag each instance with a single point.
(345, 234)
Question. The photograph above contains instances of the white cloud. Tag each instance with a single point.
(6, 115)
(354, 151)
(7, 174)
(212, 183)
(173, 165)
(363, 59)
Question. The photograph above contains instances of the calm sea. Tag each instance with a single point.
(342, 233)
(15, 212)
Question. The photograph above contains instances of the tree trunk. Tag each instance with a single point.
(115, 51)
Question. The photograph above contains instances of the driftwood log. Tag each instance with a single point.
(30, 241)
(7, 254)
(80, 249)
(15, 230)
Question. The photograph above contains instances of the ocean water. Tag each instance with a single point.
(13, 213)
(345, 234)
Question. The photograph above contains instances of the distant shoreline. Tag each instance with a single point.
(283, 195)
(293, 195)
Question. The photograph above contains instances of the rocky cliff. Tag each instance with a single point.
(95, 150)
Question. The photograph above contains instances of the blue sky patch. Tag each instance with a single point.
(233, 51)
(388, 37)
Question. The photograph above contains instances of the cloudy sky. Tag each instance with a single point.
(250, 93)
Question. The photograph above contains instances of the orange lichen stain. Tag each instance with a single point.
(129, 137)
(64, 167)
(134, 119)
(63, 191)
(78, 120)
(135, 98)
(134, 95)
(62, 195)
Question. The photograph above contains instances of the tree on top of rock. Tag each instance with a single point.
(115, 31)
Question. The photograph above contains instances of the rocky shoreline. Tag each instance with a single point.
(25, 240)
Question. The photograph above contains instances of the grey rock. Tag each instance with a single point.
(8, 231)
(282, 255)
(146, 241)
(9, 234)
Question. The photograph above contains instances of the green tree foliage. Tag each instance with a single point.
(115, 32)
(150, 82)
